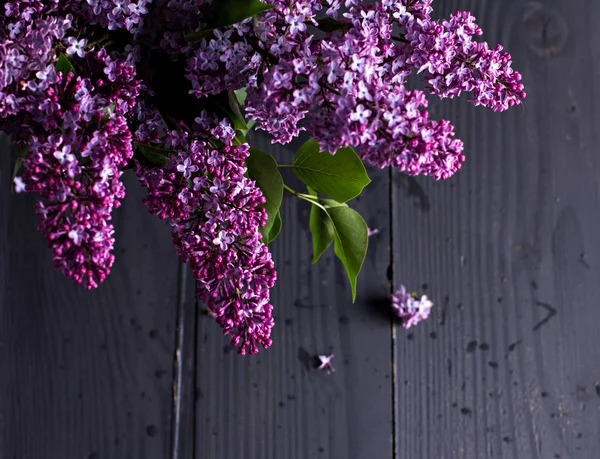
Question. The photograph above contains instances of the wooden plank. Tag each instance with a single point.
(85, 374)
(507, 367)
(276, 404)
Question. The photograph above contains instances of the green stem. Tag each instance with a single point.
(285, 165)
(306, 197)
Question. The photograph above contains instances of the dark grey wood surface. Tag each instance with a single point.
(85, 374)
(507, 367)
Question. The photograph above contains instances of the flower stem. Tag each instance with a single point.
(306, 197)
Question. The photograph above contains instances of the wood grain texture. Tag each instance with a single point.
(507, 367)
(276, 404)
(85, 375)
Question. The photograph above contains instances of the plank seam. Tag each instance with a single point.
(391, 273)
(178, 362)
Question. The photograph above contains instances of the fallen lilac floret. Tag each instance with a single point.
(410, 309)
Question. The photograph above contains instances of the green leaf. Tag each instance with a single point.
(229, 12)
(236, 113)
(351, 241)
(155, 156)
(22, 151)
(321, 228)
(275, 229)
(331, 221)
(241, 95)
(341, 176)
(262, 168)
(63, 65)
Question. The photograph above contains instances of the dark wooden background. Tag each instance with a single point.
(508, 366)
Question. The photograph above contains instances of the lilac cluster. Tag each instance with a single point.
(215, 212)
(458, 64)
(410, 309)
(347, 88)
(72, 123)
(27, 52)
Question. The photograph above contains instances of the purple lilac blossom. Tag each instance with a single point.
(325, 362)
(74, 129)
(410, 309)
(216, 212)
(372, 231)
(347, 88)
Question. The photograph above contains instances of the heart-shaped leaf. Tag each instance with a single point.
(351, 241)
(321, 228)
(331, 221)
(341, 176)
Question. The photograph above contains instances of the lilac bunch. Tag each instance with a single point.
(74, 129)
(215, 212)
(458, 64)
(410, 309)
(347, 88)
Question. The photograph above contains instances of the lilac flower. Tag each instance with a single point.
(64, 155)
(459, 64)
(45, 73)
(361, 114)
(77, 234)
(410, 309)
(112, 70)
(187, 168)
(19, 185)
(296, 23)
(326, 362)
(219, 187)
(76, 46)
(372, 232)
(223, 240)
